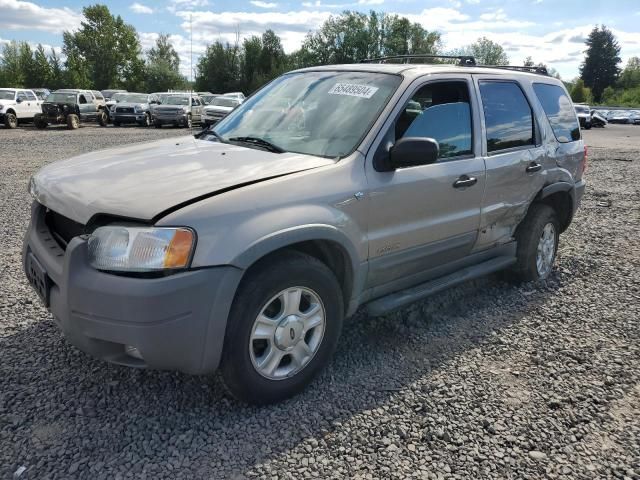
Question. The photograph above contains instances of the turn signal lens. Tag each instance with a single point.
(179, 251)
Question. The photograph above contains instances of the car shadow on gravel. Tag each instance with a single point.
(59, 403)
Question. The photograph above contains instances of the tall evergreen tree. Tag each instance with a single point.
(57, 73)
(11, 65)
(163, 66)
(600, 68)
(41, 68)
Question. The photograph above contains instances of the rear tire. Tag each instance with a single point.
(40, 122)
(10, 120)
(537, 244)
(73, 122)
(277, 339)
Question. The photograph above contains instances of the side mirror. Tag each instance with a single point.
(19, 100)
(413, 151)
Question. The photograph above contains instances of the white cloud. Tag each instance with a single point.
(370, 2)
(19, 15)
(176, 5)
(261, 4)
(140, 8)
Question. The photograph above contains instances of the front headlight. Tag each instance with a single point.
(140, 249)
(138, 109)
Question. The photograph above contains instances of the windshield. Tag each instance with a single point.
(206, 99)
(317, 113)
(225, 102)
(118, 97)
(135, 98)
(7, 94)
(60, 97)
(175, 100)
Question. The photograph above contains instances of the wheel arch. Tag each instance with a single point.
(560, 197)
(324, 242)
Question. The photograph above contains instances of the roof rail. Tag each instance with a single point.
(464, 60)
(519, 68)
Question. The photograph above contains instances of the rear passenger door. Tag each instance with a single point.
(513, 153)
(22, 107)
(426, 216)
(33, 104)
(86, 106)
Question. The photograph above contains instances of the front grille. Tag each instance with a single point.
(51, 110)
(63, 229)
(124, 110)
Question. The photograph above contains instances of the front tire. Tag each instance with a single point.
(283, 328)
(40, 122)
(103, 120)
(537, 239)
(10, 120)
(73, 122)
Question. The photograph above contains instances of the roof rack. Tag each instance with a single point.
(519, 68)
(464, 60)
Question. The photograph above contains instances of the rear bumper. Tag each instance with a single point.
(175, 322)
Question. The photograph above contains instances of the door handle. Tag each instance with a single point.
(533, 167)
(465, 181)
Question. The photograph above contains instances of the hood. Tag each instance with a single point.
(217, 108)
(143, 180)
(132, 105)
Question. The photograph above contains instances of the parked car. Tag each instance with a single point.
(41, 93)
(634, 117)
(71, 108)
(207, 99)
(598, 119)
(244, 247)
(111, 103)
(108, 94)
(238, 95)
(178, 109)
(134, 108)
(618, 116)
(18, 105)
(584, 115)
(218, 109)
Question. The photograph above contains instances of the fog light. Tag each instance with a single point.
(133, 352)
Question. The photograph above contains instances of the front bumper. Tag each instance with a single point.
(179, 119)
(176, 322)
(128, 117)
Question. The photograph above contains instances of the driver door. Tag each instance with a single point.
(425, 216)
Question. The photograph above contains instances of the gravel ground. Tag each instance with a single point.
(486, 380)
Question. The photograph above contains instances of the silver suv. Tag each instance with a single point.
(331, 188)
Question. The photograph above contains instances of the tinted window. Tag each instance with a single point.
(557, 107)
(440, 111)
(507, 115)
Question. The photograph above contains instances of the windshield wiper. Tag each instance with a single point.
(259, 142)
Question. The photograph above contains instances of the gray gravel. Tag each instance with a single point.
(487, 380)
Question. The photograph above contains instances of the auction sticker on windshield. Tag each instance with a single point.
(353, 90)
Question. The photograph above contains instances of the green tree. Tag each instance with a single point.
(105, 49)
(600, 67)
(218, 69)
(57, 73)
(487, 52)
(42, 73)
(579, 92)
(630, 77)
(163, 52)
(353, 36)
(11, 65)
(163, 67)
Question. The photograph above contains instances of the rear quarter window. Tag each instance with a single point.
(559, 111)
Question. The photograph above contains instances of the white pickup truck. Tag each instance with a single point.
(18, 105)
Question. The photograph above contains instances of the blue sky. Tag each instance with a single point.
(550, 31)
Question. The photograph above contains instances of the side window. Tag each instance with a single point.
(440, 111)
(195, 102)
(82, 99)
(22, 96)
(507, 116)
(31, 96)
(559, 111)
